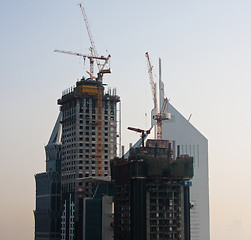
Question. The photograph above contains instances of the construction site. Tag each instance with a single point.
(102, 192)
(152, 193)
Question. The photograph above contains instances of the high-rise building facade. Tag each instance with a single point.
(188, 140)
(99, 211)
(81, 129)
(152, 193)
(48, 190)
(79, 133)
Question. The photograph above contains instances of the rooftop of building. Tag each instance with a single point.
(154, 160)
(86, 88)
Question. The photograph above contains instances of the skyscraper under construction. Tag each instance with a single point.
(82, 142)
(89, 141)
(152, 193)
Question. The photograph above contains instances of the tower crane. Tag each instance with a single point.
(99, 80)
(159, 115)
(100, 87)
(106, 59)
(93, 47)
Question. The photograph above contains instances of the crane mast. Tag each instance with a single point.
(93, 48)
(99, 80)
(159, 116)
(150, 72)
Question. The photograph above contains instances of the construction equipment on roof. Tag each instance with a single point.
(159, 115)
(93, 47)
(99, 80)
(144, 133)
(102, 69)
(106, 59)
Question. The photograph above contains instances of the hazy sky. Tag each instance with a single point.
(206, 56)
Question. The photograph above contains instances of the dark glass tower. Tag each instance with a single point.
(48, 190)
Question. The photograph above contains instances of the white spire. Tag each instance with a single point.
(161, 86)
